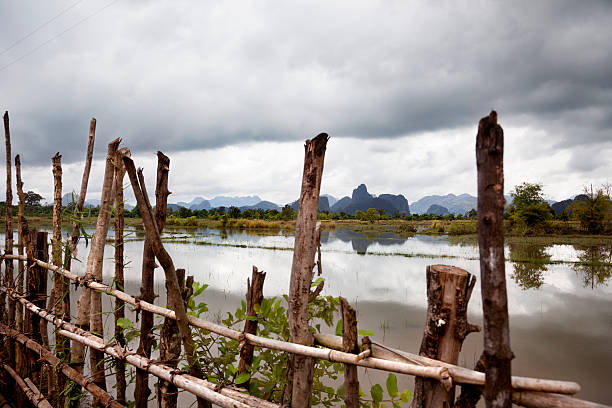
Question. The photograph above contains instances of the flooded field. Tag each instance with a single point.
(560, 299)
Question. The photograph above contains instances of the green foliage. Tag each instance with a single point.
(267, 376)
(462, 228)
(593, 212)
(529, 211)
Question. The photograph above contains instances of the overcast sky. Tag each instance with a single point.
(230, 91)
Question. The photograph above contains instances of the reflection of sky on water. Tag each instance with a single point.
(560, 330)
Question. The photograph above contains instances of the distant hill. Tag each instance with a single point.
(330, 199)
(197, 203)
(323, 204)
(456, 204)
(561, 206)
(223, 201)
(68, 197)
(437, 210)
(263, 205)
(362, 200)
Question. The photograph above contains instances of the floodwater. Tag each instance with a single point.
(559, 296)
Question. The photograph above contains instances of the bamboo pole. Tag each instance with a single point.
(302, 268)
(254, 297)
(29, 389)
(491, 202)
(379, 352)
(104, 397)
(172, 286)
(349, 345)
(119, 265)
(142, 390)
(159, 370)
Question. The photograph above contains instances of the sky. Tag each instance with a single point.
(231, 90)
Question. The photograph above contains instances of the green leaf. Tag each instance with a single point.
(406, 396)
(339, 328)
(124, 323)
(377, 393)
(242, 378)
(316, 282)
(392, 385)
(365, 332)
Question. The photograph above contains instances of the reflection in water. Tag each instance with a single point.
(595, 264)
(360, 241)
(529, 262)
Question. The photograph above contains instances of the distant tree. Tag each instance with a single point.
(593, 212)
(33, 199)
(372, 215)
(234, 212)
(288, 213)
(529, 209)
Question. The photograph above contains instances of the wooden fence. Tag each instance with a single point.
(40, 375)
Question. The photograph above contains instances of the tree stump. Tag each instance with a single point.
(448, 292)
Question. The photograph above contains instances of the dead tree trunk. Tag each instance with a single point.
(172, 286)
(491, 202)
(170, 346)
(95, 261)
(302, 268)
(350, 345)
(142, 390)
(254, 297)
(119, 265)
(8, 246)
(448, 293)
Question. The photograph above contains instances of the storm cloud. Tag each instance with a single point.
(185, 76)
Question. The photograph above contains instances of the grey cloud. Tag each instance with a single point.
(186, 76)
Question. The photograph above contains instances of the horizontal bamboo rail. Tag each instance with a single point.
(28, 388)
(104, 397)
(411, 364)
(195, 386)
(460, 375)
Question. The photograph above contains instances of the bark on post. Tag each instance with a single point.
(77, 349)
(95, 262)
(172, 286)
(8, 242)
(59, 286)
(350, 345)
(20, 351)
(254, 297)
(36, 291)
(89, 303)
(170, 347)
(142, 390)
(119, 265)
(302, 268)
(448, 292)
(491, 202)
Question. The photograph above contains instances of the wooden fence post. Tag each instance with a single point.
(147, 294)
(170, 346)
(119, 265)
(448, 292)
(8, 242)
(302, 268)
(491, 203)
(350, 345)
(254, 297)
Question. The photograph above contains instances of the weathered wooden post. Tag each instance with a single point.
(8, 242)
(20, 350)
(119, 265)
(170, 346)
(254, 297)
(302, 268)
(172, 286)
(491, 202)
(448, 292)
(147, 294)
(350, 345)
